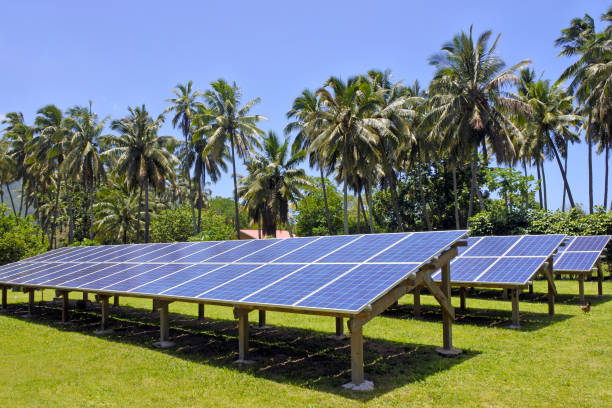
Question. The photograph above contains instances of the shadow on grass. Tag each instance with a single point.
(301, 357)
(536, 297)
(479, 317)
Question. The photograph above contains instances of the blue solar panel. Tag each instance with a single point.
(299, 284)
(512, 270)
(466, 269)
(491, 246)
(317, 249)
(244, 250)
(209, 281)
(76, 272)
(419, 247)
(576, 261)
(366, 282)
(249, 283)
(146, 278)
(364, 248)
(589, 243)
(278, 250)
(277, 271)
(470, 242)
(536, 245)
(41, 257)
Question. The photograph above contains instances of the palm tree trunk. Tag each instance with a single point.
(91, 219)
(605, 202)
(22, 196)
(544, 183)
(537, 163)
(139, 214)
(199, 206)
(363, 211)
(526, 195)
(8, 188)
(475, 181)
(146, 231)
(565, 167)
(589, 142)
(70, 213)
(457, 224)
(237, 219)
(329, 229)
(55, 211)
(422, 196)
(345, 188)
(358, 212)
(259, 226)
(370, 209)
(395, 198)
(569, 191)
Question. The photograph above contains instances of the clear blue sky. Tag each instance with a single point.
(125, 53)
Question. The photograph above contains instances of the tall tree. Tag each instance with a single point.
(142, 155)
(232, 125)
(469, 104)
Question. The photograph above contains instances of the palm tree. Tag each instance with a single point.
(185, 106)
(468, 104)
(49, 150)
(82, 162)
(117, 211)
(551, 116)
(274, 181)
(231, 124)
(7, 171)
(19, 135)
(348, 129)
(306, 110)
(143, 157)
(591, 78)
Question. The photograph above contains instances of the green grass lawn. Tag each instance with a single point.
(564, 360)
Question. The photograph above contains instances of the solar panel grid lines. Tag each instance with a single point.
(37, 258)
(169, 258)
(581, 253)
(255, 269)
(493, 264)
(259, 244)
(68, 275)
(107, 279)
(29, 270)
(589, 243)
(80, 251)
(351, 269)
(491, 246)
(172, 248)
(80, 278)
(147, 278)
(46, 272)
(508, 270)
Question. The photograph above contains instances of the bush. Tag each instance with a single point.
(172, 225)
(85, 242)
(311, 219)
(19, 237)
(214, 227)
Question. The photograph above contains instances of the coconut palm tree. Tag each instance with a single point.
(7, 172)
(348, 129)
(184, 106)
(468, 102)
(117, 211)
(19, 135)
(142, 155)
(274, 181)
(82, 162)
(233, 125)
(305, 110)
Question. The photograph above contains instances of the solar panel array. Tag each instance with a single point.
(580, 253)
(337, 273)
(503, 259)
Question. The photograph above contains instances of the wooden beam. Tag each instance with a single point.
(417, 302)
(200, 312)
(4, 298)
(547, 271)
(488, 285)
(339, 327)
(600, 278)
(31, 302)
(243, 335)
(85, 297)
(105, 309)
(462, 296)
(581, 287)
(357, 374)
(65, 307)
(164, 323)
(262, 319)
(440, 296)
(516, 320)
(115, 301)
(448, 314)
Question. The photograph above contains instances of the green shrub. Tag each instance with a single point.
(85, 242)
(19, 237)
(172, 225)
(214, 227)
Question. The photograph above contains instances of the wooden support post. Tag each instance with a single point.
(262, 319)
(417, 302)
(31, 302)
(516, 321)
(116, 301)
(462, 295)
(164, 324)
(447, 316)
(243, 336)
(200, 312)
(85, 296)
(358, 382)
(65, 307)
(531, 289)
(339, 327)
(4, 297)
(600, 278)
(505, 294)
(581, 287)
(105, 306)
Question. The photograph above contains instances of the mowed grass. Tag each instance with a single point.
(563, 360)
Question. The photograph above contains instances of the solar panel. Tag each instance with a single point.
(581, 253)
(338, 273)
(503, 259)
